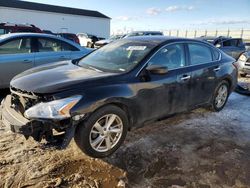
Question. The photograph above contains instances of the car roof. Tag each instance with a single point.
(157, 40)
(14, 35)
(146, 32)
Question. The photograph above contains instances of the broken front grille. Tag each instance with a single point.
(22, 100)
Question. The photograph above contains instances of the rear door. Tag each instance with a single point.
(49, 50)
(15, 57)
(205, 68)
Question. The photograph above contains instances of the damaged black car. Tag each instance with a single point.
(118, 87)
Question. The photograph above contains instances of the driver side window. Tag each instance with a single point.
(170, 56)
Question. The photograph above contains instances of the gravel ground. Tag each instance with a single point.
(196, 149)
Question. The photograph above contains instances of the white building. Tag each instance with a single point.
(55, 18)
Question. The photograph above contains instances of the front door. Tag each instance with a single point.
(162, 95)
(15, 57)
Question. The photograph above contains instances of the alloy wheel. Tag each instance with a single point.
(106, 133)
(221, 97)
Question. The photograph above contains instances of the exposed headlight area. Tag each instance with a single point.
(57, 109)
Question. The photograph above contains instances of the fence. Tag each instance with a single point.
(241, 33)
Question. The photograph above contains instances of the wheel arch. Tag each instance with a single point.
(124, 107)
(230, 83)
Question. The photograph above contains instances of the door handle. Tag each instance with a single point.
(185, 77)
(27, 61)
(217, 69)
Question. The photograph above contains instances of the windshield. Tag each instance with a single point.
(119, 56)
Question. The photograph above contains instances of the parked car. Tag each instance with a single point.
(232, 46)
(87, 40)
(69, 36)
(101, 38)
(49, 32)
(6, 28)
(101, 43)
(104, 42)
(143, 33)
(243, 64)
(21, 51)
(116, 88)
(247, 44)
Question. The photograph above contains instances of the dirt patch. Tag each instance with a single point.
(198, 149)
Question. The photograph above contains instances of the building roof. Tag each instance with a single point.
(50, 8)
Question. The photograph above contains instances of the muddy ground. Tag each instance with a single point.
(197, 149)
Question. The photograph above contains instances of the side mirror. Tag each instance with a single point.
(218, 45)
(157, 69)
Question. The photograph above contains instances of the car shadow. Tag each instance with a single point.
(181, 149)
(159, 153)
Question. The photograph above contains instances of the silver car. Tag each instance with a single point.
(22, 51)
(243, 64)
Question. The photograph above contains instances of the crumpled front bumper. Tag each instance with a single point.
(34, 128)
(14, 120)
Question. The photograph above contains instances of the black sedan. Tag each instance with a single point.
(116, 88)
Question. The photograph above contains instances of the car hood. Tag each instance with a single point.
(54, 78)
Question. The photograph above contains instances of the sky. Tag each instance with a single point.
(166, 14)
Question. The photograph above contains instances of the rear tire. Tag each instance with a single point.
(103, 132)
(220, 96)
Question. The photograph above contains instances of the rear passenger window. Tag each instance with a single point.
(67, 47)
(199, 54)
(232, 42)
(48, 45)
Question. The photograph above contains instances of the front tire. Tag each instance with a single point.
(103, 132)
(220, 96)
